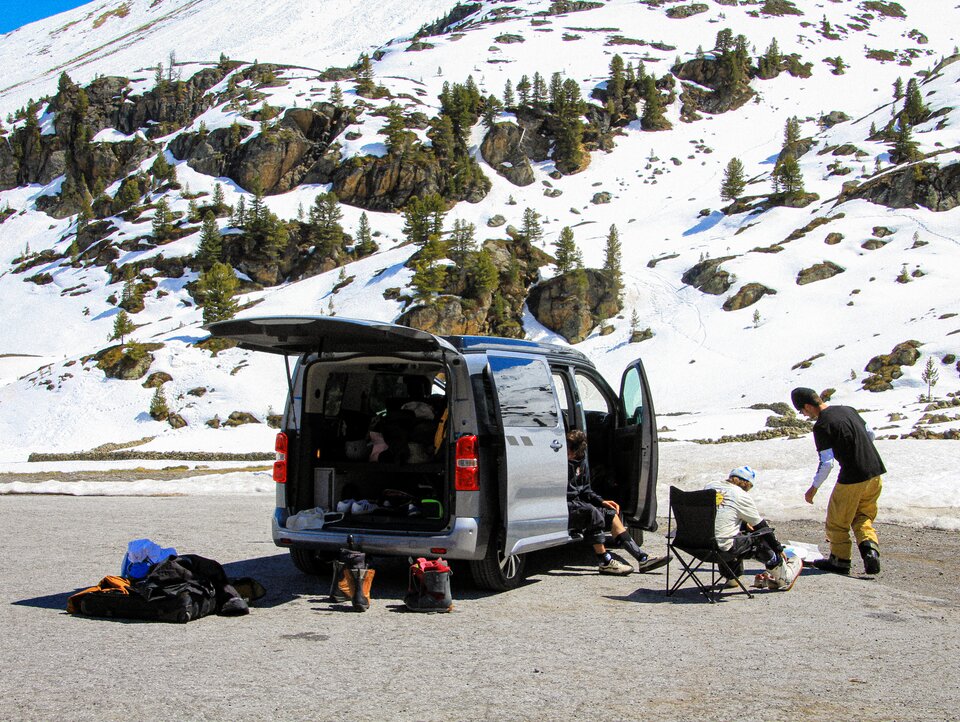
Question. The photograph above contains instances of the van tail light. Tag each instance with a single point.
(467, 472)
(280, 465)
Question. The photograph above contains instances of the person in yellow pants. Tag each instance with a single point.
(841, 435)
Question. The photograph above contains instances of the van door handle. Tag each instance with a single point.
(556, 445)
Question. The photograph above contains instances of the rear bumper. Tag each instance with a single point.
(460, 542)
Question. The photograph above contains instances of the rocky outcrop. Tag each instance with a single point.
(922, 184)
(711, 86)
(447, 316)
(707, 276)
(573, 303)
(297, 151)
(818, 272)
(127, 362)
(747, 296)
(886, 367)
(502, 149)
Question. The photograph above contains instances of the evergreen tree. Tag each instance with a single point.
(724, 40)
(653, 117)
(218, 203)
(423, 218)
(769, 64)
(325, 231)
(508, 98)
(462, 243)
(930, 376)
(159, 410)
(791, 133)
(530, 227)
(539, 92)
(210, 248)
(399, 139)
(905, 148)
(568, 255)
(787, 177)
(162, 221)
(733, 180)
(914, 109)
(365, 244)
(612, 266)
(556, 92)
(898, 88)
(364, 78)
(336, 95)
(483, 273)
(523, 90)
(122, 326)
(161, 169)
(217, 287)
(429, 275)
(616, 82)
(128, 195)
(239, 216)
(492, 108)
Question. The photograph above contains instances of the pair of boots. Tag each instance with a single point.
(352, 579)
(428, 589)
(869, 552)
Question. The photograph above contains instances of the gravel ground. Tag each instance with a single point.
(570, 644)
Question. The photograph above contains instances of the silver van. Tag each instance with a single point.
(412, 444)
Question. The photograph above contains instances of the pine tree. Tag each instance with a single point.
(733, 180)
(530, 227)
(428, 277)
(653, 117)
(769, 64)
(399, 139)
(492, 108)
(336, 95)
(210, 247)
(423, 218)
(568, 255)
(508, 99)
(365, 84)
(787, 176)
(239, 216)
(365, 244)
(523, 90)
(325, 232)
(616, 82)
(930, 376)
(159, 410)
(898, 88)
(122, 326)
(905, 148)
(791, 133)
(217, 287)
(161, 169)
(162, 221)
(612, 266)
(914, 109)
(218, 203)
(539, 92)
(483, 273)
(462, 242)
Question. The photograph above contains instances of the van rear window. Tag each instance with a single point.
(525, 392)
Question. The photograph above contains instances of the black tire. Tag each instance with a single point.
(496, 571)
(309, 562)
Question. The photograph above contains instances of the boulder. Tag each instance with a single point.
(502, 149)
(445, 316)
(922, 184)
(571, 304)
(818, 272)
(748, 295)
(708, 277)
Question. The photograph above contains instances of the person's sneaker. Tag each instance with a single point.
(833, 564)
(785, 575)
(871, 557)
(344, 506)
(615, 566)
(363, 506)
(651, 563)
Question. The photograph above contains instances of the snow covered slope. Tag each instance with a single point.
(708, 366)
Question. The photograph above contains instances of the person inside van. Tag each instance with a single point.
(592, 515)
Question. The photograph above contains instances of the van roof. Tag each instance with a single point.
(479, 344)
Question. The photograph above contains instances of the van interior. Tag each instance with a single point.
(373, 444)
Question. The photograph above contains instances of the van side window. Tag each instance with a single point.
(633, 396)
(525, 391)
(333, 394)
(591, 397)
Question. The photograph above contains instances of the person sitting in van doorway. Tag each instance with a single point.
(591, 514)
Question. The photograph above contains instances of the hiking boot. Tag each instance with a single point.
(651, 563)
(833, 564)
(871, 557)
(615, 566)
(731, 583)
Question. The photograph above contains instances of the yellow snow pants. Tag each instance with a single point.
(852, 506)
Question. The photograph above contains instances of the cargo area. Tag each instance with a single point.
(373, 444)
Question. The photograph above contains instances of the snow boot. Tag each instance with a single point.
(871, 557)
(833, 564)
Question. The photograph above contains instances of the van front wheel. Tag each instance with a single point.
(497, 571)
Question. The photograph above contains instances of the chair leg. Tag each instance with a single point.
(690, 572)
(728, 571)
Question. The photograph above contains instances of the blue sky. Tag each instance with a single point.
(14, 13)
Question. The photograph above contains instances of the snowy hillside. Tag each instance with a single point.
(708, 366)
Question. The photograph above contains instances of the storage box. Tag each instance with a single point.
(323, 481)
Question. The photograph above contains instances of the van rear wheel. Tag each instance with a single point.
(497, 571)
(308, 562)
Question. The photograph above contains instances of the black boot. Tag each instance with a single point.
(871, 557)
(625, 541)
(833, 564)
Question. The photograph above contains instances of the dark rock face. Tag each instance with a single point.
(747, 296)
(886, 367)
(573, 303)
(298, 151)
(708, 277)
(922, 184)
(723, 94)
(818, 272)
(502, 149)
(126, 362)
(833, 117)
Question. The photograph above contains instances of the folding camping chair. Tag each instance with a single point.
(695, 513)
